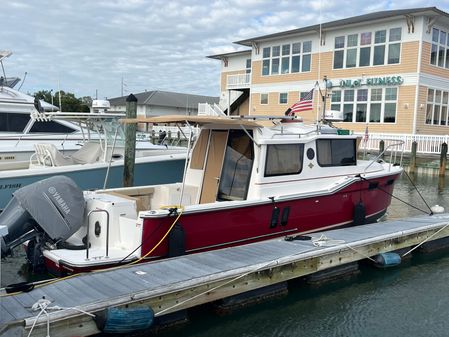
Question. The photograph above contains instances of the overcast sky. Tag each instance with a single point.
(89, 45)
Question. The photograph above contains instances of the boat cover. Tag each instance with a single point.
(56, 204)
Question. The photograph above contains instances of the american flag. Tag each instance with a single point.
(304, 104)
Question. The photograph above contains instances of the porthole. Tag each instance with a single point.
(310, 154)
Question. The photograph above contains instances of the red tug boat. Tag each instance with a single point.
(245, 181)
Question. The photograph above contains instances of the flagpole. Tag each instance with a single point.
(319, 66)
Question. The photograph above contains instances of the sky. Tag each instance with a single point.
(88, 46)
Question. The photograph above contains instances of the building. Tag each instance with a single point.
(388, 69)
(156, 103)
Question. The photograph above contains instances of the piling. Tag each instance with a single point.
(443, 159)
(130, 142)
(381, 148)
(412, 168)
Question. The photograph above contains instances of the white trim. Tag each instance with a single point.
(418, 75)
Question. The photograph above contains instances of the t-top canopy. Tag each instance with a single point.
(201, 120)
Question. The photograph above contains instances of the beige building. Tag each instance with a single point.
(387, 69)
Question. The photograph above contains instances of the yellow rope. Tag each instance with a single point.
(160, 241)
(127, 264)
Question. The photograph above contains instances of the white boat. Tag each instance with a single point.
(246, 181)
(96, 163)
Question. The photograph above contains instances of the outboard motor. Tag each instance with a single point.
(47, 211)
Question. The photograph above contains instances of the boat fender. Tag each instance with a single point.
(124, 320)
(385, 260)
(177, 241)
(359, 214)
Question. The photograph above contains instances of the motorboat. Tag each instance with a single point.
(97, 163)
(246, 180)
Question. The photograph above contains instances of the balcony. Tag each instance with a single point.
(239, 81)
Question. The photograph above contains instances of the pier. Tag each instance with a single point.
(180, 283)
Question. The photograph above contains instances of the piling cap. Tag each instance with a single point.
(131, 98)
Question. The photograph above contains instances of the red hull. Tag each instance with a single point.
(229, 227)
(216, 229)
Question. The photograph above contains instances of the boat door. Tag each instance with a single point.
(214, 163)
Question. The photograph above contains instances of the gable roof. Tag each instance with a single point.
(348, 21)
(167, 99)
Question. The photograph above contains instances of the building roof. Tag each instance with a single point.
(166, 98)
(348, 21)
(220, 56)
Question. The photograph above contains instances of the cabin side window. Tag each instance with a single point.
(12, 122)
(336, 152)
(284, 159)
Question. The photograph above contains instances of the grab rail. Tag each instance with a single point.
(396, 145)
(88, 231)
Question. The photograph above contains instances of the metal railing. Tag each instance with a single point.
(238, 81)
(394, 149)
(428, 144)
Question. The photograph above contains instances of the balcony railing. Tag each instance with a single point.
(429, 144)
(238, 81)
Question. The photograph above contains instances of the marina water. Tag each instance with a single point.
(410, 300)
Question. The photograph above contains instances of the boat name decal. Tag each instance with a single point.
(61, 202)
(8, 186)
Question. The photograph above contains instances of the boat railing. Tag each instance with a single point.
(395, 150)
(88, 231)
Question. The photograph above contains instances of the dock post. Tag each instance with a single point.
(130, 142)
(413, 157)
(381, 148)
(443, 159)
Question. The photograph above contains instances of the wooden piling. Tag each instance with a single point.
(443, 159)
(381, 148)
(412, 168)
(130, 142)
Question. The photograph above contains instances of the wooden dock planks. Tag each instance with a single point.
(186, 281)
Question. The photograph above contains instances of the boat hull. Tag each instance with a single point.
(225, 227)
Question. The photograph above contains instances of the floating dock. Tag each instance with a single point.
(176, 284)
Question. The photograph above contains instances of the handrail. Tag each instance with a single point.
(401, 142)
(88, 229)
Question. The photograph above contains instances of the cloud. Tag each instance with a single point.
(153, 44)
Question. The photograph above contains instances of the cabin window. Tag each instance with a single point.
(336, 152)
(284, 159)
(50, 126)
(237, 166)
(11, 122)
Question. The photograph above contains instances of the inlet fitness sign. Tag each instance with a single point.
(372, 82)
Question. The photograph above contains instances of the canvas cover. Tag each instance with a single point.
(56, 204)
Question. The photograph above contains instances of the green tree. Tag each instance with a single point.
(69, 101)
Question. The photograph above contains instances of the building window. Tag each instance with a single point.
(354, 54)
(263, 98)
(286, 59)
(248, 66)
(374, 105)
(439, 53)
(283, 98)
(437, 107)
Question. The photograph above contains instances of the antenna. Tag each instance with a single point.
(23, 81)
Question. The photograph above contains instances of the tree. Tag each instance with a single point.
(69, 102)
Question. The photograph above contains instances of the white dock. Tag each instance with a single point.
(179, 283)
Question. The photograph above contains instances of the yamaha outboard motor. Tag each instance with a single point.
(49, 210)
